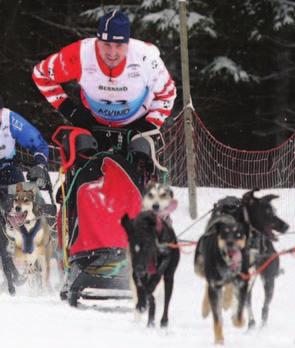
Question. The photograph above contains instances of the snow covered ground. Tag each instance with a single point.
(47, 322)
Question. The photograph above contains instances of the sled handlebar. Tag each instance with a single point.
(59, 136)
(73, 132)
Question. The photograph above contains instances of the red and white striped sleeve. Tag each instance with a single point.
(164, 90)
(58, 68)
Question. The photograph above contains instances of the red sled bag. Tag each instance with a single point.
(101, 205)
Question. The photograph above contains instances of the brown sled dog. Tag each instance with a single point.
(220, 257)
(28, 230)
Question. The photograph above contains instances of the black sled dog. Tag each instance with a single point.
(12, 276)
(260, 215)
(6, 259)
(220, 256)
(149, 236)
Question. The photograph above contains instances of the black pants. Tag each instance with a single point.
(109, 137)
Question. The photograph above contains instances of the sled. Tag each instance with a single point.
(98, 192)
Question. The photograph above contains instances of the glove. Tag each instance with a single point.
(39, 174)
(78, 115)
(167, 124)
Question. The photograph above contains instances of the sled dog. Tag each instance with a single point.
(264, 225)
(152, 259)
(219, 258)
(28, 228)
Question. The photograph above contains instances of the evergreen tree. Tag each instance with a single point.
(242, 58)
(241, 63)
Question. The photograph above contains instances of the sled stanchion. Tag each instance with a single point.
(50, 191)
(64, 229)
(74, 133)
(65, 198)
(147, 136)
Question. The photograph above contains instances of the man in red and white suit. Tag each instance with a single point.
(124, 82)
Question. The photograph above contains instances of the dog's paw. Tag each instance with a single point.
(219, 341)
(19, 279)
(238, 322)
(63, 295)
(281, 271)
(11, 290)
(141, 308)
(141, 305)
(151, 323)
(218, 334)
(251, 324)
(164, 323)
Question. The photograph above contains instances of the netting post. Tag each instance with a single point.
(188, 128)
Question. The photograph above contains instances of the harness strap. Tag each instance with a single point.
(28, 236)
(147, 136)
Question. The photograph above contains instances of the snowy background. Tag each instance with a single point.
(46, 321)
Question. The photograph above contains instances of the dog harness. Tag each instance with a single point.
(165, 216)
(163, 250)
(28, 236)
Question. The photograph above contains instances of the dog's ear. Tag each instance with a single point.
(127, 224)
(31, 194)
(3, 193)
(3, 197)
(148, 187)
(34, 189)
(248, 197)
(269, 198)
(6, 201)
(152, 181)
(19, 187)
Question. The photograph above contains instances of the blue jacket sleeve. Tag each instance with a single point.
(26, 135)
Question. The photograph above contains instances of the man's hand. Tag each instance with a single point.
(78, 115)
(39, 174)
